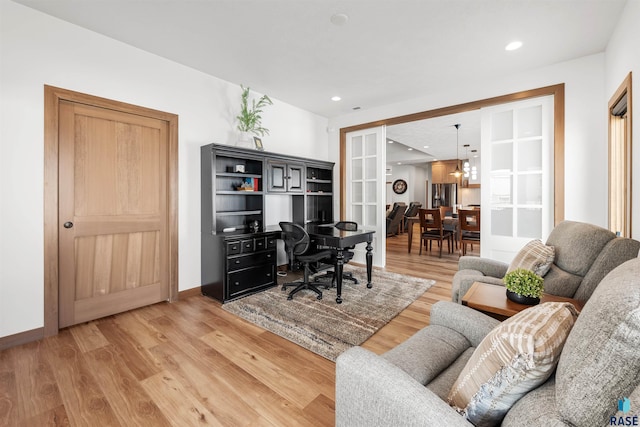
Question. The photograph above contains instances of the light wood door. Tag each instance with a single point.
(113, 212)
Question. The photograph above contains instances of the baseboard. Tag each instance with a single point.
(190, 292)
(21, 338)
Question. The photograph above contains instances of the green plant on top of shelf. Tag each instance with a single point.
(250, 119)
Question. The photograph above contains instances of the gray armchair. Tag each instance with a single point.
(408, 385)
(585, 253)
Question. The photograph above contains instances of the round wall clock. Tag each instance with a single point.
(399, 186)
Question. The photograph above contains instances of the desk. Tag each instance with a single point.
(339, 240)
(448, 224)
(492, 300)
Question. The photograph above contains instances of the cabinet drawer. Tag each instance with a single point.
(233, 248)
(245, 261)
(260, 244)
(251, 278)
(271, 242)
(247, 246)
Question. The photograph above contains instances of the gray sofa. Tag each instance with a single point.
(408, 385)
(584, 254)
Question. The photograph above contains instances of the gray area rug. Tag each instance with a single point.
(327, 328)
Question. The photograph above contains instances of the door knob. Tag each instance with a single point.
(68, 224)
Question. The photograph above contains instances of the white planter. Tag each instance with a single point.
(245, 140)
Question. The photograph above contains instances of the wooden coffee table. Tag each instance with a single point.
(492, 300)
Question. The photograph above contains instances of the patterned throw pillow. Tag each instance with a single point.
(511, 360)
(534, 256)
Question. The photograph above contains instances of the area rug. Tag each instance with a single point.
(327, 328)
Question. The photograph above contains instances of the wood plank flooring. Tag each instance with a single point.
(192, 363)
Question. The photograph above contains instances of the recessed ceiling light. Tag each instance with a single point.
(514, 45)
(410, 149)
(399, 163)
(389, 141)
(425, 146)
(339, 19)
(335, 98)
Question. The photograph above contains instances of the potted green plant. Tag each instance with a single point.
(524, 286)
(250, 119)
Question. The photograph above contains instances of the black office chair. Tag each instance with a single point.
(347, 256)
(296, 244)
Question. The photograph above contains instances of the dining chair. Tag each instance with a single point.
(469, 223)
(431, 228)
(446, 211)
(412, 211)
(297, 245)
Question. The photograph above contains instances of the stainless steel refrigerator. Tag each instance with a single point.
(444, 195)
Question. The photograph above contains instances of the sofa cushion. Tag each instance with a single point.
(614, 253)
(536, 408)
(561, 283)
(513, 359)
(428, 352)
(601, 361)
(577, 245)
(534, 256)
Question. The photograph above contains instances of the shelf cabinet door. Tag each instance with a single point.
(285, 177)
(296, 178)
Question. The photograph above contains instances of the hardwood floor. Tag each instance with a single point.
(192, 363)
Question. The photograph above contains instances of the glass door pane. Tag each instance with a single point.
(518, 138)
(365, 188)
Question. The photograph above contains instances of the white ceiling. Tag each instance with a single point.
(388, 50)
(439, 135)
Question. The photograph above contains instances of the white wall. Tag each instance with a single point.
(585, 125)
(37, 49)
(415, 178)
(622, 57)
(469, 196)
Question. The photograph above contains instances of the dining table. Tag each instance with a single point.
(448, 223)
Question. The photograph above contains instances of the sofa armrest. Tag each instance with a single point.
(372, 391)
(463, 280)
(473, 324)
(486, 266)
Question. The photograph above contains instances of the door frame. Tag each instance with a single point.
(623, 89)
(558, 134)
(52, 98)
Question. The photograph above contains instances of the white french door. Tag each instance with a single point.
(517, 176)
(365, 194)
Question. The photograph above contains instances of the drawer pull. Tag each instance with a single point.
(236, 283)
(237, 261)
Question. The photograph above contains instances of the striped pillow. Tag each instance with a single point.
(534, 256)
(511, 360)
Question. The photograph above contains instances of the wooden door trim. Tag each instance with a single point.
(52, 98)
(558, 112)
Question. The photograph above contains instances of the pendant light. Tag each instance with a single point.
(466, 166)
(457, 172)
(474, 169)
